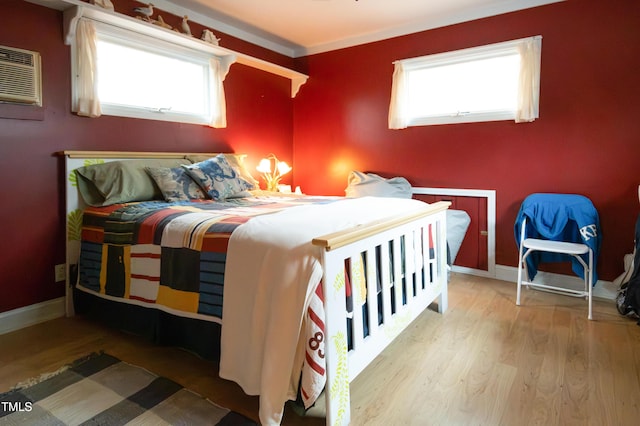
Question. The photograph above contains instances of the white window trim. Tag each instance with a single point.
(217, 111)
(132, 39)
(529, 84)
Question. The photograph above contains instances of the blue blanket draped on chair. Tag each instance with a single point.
(559, 217)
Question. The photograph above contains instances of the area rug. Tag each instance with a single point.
(102, 390)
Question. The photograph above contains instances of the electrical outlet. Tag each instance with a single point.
(60, 272)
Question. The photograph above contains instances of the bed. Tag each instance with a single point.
(314, 288)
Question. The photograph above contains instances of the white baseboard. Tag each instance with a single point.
(472, 271)
(602, 290)
(30, 315)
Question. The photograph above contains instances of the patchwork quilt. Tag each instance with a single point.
(170, 255)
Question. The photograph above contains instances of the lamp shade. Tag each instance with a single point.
(264, 166)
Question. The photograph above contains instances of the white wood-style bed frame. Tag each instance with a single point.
(405, 260)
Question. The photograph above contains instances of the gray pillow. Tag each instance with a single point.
(457, 224)
(121, 181)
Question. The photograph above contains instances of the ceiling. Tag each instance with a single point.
(302, 27)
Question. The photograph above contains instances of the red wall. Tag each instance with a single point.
(259, 115)
(585, 141)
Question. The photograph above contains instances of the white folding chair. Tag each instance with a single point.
(530, 245)
(553, 227)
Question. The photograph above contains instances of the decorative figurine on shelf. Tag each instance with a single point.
(209, 37)
(105, 4)
(185, 25)
(146, 12)
(160, 22)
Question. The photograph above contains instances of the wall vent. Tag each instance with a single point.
(20, 76)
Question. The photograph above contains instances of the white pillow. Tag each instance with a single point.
(369, 184)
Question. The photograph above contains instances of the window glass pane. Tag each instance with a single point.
(499, 81)
(139, 78)
(477, 86)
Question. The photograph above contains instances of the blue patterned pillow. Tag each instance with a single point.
(175, 184)
(217, 178)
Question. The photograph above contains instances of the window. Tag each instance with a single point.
(487, 83)
(132, 75)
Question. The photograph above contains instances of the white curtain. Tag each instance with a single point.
(529, 79)
(87, 71)
(397, 106)
(218, 72)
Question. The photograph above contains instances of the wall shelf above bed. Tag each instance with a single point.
(75, 9)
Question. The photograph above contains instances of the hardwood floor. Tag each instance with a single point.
(484, 362)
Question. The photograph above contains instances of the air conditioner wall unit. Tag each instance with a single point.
(20, 76)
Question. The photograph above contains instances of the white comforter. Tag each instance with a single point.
(272, 270)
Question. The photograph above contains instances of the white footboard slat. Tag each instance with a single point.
(397, 274)
(408, 261)
(385, 282)
(372, 293)
(419, 261)
(357, 278)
